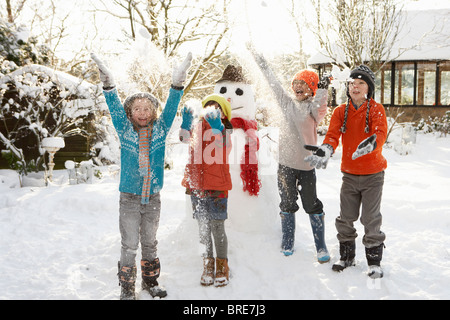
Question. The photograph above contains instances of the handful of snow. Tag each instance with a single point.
(339, 77)
(211, 111)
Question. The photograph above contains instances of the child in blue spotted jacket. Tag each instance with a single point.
(142, 138)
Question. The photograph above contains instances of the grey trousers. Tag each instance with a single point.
(138, 222)
(217, 229)
(361, 192)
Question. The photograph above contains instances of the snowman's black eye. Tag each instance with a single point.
(223, 90)
(239, 92)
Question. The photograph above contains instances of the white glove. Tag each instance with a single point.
(179, 72)
(105, 75)
(365, 147)
(320, 156)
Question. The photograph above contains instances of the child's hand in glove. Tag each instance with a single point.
(325, 81)
(365, 147)
(213, 118)
(179, 72)
(186, 126)
(105, 75)
(188, 117)
(320, 156)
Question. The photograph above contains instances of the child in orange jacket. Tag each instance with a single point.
(362, 126)
(207, 180)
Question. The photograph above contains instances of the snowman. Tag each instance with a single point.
(252, 205)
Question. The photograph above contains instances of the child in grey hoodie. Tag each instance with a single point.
(301, 115)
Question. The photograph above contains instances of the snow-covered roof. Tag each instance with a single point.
(85, 94)
(68, 81)
(425, 36)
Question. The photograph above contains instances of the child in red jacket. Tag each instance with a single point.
(362, 126)
(207, 180)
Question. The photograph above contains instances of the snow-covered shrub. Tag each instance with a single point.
(106, 145)
(38, 102)
(436, 124)
(18, 48)
(442, 124)
(423, 126)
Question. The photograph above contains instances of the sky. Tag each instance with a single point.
(269, 26)
(266, 23)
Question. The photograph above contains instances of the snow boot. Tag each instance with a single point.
(127, 280)
(207, 278)
(288, 233)
(374, 256)
(347, 251)
(318, 229)
(150, 272)
(222, 272)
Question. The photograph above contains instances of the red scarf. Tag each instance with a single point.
(249, 161)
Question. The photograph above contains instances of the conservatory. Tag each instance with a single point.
(417, 77)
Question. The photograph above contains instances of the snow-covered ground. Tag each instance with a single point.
(62, 241)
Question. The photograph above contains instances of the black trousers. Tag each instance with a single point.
(293, 182)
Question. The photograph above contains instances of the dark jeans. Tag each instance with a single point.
(291, 183)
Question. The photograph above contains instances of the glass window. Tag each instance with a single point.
(383, 83)
(426, 83)
(408, 91)
(444, 79)
(404, 83)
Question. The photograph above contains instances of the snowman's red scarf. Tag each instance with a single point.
(249, 161)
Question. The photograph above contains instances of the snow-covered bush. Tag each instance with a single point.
(106, 145)
(436, 124)
(38, 102)
(442, 124)
(18, 48)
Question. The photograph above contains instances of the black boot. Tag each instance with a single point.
(150, 273)
(374, 256)
(347, 251)
(127, 280)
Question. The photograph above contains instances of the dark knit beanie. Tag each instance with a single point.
(363, 72)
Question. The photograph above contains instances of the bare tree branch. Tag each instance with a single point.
(364, 31)
(173, 24)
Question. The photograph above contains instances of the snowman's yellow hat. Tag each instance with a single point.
(224, 103)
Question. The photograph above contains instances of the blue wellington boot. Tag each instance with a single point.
(318, 229)
(288, 231)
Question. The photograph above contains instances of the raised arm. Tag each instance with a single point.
(186, 126)
(176, 92)
(281, 95)
(118, 114)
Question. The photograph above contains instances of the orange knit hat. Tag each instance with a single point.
(310, 77)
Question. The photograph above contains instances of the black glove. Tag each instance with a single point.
(324, 81)
(320, 156)
(365, 147)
